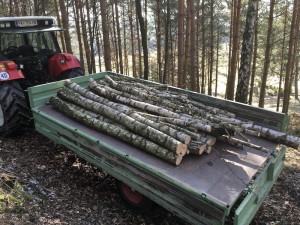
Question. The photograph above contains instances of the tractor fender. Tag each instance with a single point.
(9, 71)
(61, 62)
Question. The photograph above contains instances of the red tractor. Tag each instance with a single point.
(29, 55)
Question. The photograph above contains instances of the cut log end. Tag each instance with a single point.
(178, 160)
(198, 151)
(181, 149)
(208, 149)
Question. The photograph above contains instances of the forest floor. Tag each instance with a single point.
(47, 184)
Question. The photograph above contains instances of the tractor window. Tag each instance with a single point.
(41, 40)
(11, 40)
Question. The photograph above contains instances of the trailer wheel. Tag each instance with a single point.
(72, 73)
(14, 112)
(135, 199)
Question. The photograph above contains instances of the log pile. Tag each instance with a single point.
(166, 124)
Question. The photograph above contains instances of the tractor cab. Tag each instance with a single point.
(31, 43)
(29, 55)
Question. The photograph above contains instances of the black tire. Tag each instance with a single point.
(72, 73)
(135, 199)
(14, 111)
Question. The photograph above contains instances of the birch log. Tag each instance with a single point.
(143, 96)
(170, 105)
(148, 107)
(181, 136)
(138, 104)
(117, 132)
(192, 134)
(196, 147)
(135, 126)
(226, 120)
(178, 96)
(182, 121)
(276, 136)
(141, 87)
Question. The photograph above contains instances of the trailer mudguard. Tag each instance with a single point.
(9, 71)
(62, 62)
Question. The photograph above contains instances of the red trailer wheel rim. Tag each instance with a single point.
(131, 195)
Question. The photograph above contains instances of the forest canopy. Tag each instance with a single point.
(238, 49)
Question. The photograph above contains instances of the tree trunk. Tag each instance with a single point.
(180, 42)
(144, 37)
(139, 47)
(91, 36)
(211, 47)
(255, 53)
(158, 41)
(126, 70)
(172, 56)
(77, 24)
(85, 36)
(166, 64)
(295, 63)
(119, 38)
(105, 31)
(289, 69)
(217, 64)
(186, 47)
(297, 79)
(65, 23)
(193, 65)
(232, 16)
(203, 50)
(35, 7)
(267, 57)
(114, 38)
(98, 37)
(244, 71)
(235, 45)
(198, 35)
(17, 8)
(130, 15)
(61, 34)
(282, 60)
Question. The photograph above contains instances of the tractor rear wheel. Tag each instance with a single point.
(72, 73)
(14, 111)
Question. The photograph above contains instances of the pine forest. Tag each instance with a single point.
(240, 50)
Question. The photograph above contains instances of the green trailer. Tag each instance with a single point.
(226, 186)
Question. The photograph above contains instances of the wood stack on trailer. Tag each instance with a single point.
(166, 124)
(225, 186)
